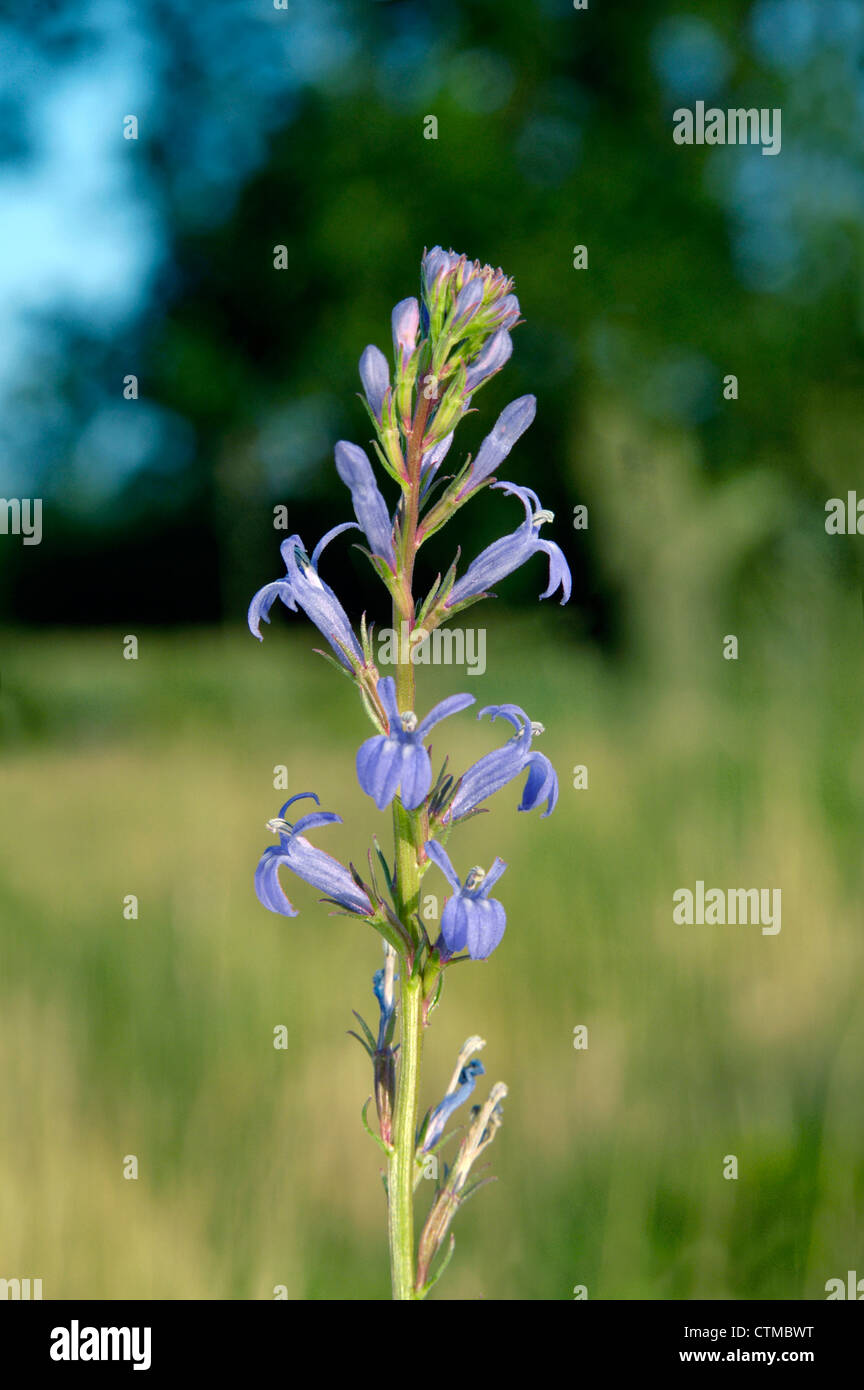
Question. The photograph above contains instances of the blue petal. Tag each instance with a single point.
(438, 854)
(416, 776)
(498, 560)
(263, 601)
(492, 877)
(322, 871)
(370, 509)
(298, 796)
(387, 696)
(454, 923)
(452, 705)
(508, 428)
(267, 885)
(542, 782)
(487, 776)
(329, 536)
(314, 820)
(323, 608)
(379, 768)
(559, 570)
(485, 928)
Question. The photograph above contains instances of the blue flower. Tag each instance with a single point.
(455, 1097)
(370, 509)
(470, 918)
(493, 771)
(303, 587)
(504, 556)
(510, 426)
(398, 757)
(375, 376)
(307, 862)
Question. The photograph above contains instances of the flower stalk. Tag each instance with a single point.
(446, 347)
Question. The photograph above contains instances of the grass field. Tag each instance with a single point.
(154, 1037)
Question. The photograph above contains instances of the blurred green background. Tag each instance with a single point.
(154, 777)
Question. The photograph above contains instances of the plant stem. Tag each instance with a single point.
(409, 832)
(400, 1178)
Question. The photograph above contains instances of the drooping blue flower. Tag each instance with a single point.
(397, 759)
(510, 426)
(454, 1098)
(307, 862)
(504, 556)
(493, 771)
(375, 376)
(470, 918)
(489, 360)
(304, 588)
(370, 509)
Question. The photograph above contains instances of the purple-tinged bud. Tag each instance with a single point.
(468, 301)
(405, 320)
(508, 311)
(492, 358)
(436, 262)
(510, 426)
(375, 376)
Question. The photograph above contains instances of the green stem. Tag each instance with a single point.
(410, 830)
(400, 1178)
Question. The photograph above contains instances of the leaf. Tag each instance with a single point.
(385, 1148)
(352, 1034)
(367, 1031)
